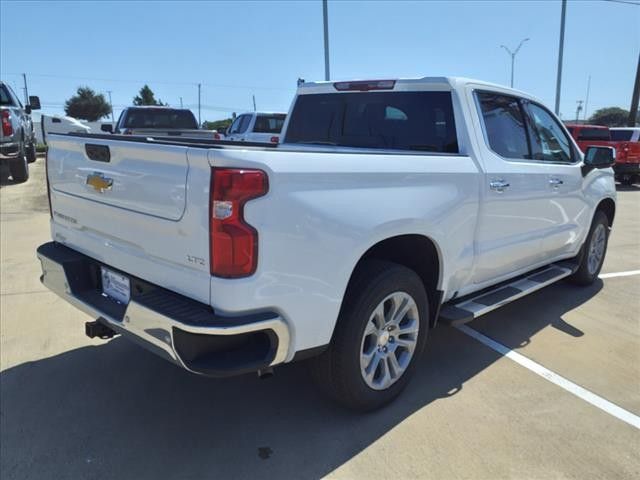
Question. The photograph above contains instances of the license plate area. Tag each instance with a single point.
(115, 285)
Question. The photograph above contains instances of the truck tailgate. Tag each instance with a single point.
(138, 207)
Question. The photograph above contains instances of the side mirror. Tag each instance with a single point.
(598, 157)
(106, 127)
(34, 102)
(27, 109)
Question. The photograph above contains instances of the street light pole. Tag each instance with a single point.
(513, 55)
(560, 53)
(325, 16)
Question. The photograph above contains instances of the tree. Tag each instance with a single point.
(219, 125)
(146, 97)
(87, 105)
(610, 116)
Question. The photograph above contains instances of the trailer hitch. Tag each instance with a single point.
(98, 329)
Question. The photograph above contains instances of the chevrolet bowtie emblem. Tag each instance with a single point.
(99, 182)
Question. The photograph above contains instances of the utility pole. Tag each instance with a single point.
(513, 55)
(199, 121)
(560, 53)
(26, 91)
(113, 122)
(579, 102)
(586, 102)
(181, 102)
(633, 111)
(254, 102)
(325, 16)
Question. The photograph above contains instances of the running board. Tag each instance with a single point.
(463, 310)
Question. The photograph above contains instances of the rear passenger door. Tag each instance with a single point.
(514, 215)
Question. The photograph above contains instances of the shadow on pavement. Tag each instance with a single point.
(116, 411)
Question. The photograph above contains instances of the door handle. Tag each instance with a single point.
(498, 185)
(555, 182)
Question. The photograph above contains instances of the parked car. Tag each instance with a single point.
(17, 139)
(627, 167)
(259, 127)
(156, 121)
(388, 207)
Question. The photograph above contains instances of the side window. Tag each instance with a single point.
(235, 124)
(244, 123)
(504, 125)
(548, 141)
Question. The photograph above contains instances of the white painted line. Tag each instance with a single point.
(577, 390)
(620, 274)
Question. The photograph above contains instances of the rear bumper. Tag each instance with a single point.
(9, 150)
(181, 330)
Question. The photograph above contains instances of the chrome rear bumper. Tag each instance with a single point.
(186, 332)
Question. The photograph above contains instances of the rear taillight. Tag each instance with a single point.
(7, 128)
(365, 86)
(275, 139)
(216, 136)
(233, 243)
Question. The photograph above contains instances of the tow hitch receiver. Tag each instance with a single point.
(98, 329)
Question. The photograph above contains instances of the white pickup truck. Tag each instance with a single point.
(389, 206)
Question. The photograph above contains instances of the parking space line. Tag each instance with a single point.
(620, 274)
(577, 390)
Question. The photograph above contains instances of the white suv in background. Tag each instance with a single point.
(256, 127)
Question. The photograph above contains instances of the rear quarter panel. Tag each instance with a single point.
(324, 211)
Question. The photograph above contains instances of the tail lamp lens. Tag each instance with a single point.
(7, 128)
(233, 242)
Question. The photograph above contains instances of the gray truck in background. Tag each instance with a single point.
(17, 136)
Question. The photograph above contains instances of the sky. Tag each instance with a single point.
(240, 49)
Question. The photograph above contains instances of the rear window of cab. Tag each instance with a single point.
(420, 121)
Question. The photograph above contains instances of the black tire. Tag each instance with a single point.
(31, 152)
(586, 275)
(338, 371)
(19, 167)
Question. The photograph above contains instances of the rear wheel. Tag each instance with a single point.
(595, 248)
(379, 336)
(19, 167)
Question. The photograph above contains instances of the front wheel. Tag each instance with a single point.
(595, 248)
(31, 152)
(378, 338)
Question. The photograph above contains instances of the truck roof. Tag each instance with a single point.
(428, 83)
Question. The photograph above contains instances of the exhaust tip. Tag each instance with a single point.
(265, 373)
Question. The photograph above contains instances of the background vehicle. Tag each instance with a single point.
(17, 139)
(625, 142)
(61, 124)
(389, 205)
(160, 121)
(256, 127)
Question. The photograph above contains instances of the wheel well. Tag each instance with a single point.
(608, 207)
(416, 252)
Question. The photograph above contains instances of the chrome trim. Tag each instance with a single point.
(153, 327)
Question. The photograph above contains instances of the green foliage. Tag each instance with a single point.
(146, 97)
(610, 116)
(87, 105)
(219, 125)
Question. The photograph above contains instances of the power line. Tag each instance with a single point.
(158, 82)
(628, 2)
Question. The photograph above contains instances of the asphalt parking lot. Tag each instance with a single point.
(71, 407)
